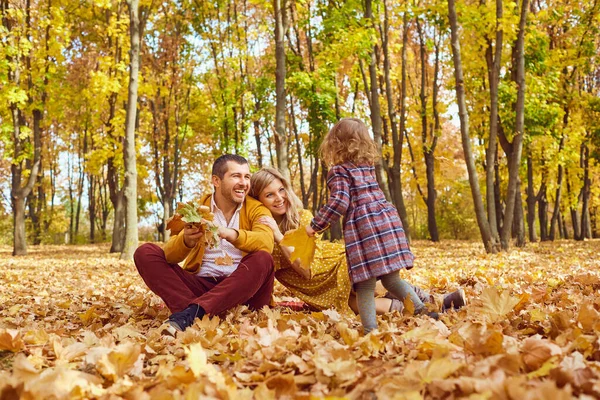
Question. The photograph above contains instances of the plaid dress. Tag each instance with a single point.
(375, 241)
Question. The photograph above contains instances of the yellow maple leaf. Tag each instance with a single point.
(544, 369)
(496, 305)
(440, 368)
(538, 315)
(88, 316)
(119, 360)
(476, 337)
(198, 360)
(303, 247)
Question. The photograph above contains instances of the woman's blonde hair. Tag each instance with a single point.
(348, 140)
(263, 178)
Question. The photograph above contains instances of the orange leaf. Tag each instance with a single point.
(11, 340)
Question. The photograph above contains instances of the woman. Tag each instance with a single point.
(328, 284)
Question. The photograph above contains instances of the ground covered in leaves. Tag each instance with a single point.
(75, 322)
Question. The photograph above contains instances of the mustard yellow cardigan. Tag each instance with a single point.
(253, 236)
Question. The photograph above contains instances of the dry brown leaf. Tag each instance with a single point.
(536, 351)
(282, 384)
(11, 340)
(75, 306)
(225, 260)
(588, 317)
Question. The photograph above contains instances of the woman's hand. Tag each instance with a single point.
(301, 271)
(296, 266)
(271, 223)
(228, 234)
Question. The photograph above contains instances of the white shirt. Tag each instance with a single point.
(209, 266)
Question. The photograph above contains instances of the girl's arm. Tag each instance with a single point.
(338, 183)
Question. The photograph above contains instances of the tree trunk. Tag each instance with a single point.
(257, 136)
(20, 239)
(559, 180)
(543, 213)
(493, 63)
(517, 143)
(118, 235)
(563, 224)
(518, 221)
(497, 197)
(70, 179)
(594, 222)
(298, 148)
(375, 107)
(92, 206)
(531, 198)
(129, 153)
(281, 142)
(428, 149)
(586, 228)
(117, 200)
(484, 228)
(19, 193)
(104, 197)
(397, 136)
(36, 204)
(80, 181)
(573, 210)
(431, 196)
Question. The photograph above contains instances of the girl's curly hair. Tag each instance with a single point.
(348, 141)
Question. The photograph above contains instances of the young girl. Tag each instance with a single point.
(376, 246)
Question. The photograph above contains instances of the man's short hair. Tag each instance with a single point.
(220, 165)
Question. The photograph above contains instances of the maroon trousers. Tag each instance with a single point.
(250, 284)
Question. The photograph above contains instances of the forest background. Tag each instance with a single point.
(105, 101)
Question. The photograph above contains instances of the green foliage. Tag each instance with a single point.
(456, 219)
(6, 228)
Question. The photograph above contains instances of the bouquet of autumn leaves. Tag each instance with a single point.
(199, 216)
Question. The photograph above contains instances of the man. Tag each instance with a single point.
(204, 286)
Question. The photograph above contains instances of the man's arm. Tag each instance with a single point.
(179, 246)
(256, 236)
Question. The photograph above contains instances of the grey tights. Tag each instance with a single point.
(365, 297)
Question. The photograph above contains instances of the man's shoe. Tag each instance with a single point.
(454, 300)
(181, 320)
